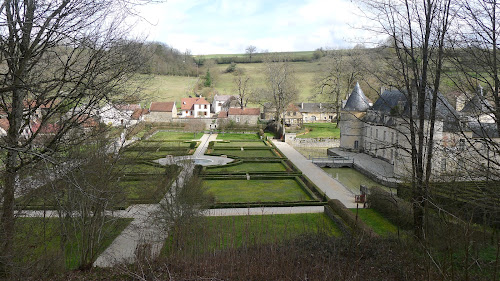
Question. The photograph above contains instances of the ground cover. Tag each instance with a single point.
(246, 153)
(250, 167)
(256, 190)
(218, 233)
(240, 144)
(152, 155)
(376, 221)
(146, 191)
(320, 130)
(162, 135)
(352, 179)
(309, 152)
(165, 87)
(39, 240)
(141, 168)
(236, 136)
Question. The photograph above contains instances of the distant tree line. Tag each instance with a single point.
(166, 60)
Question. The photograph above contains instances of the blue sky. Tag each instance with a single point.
(229, 26)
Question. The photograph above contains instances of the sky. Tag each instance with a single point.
(229, 26)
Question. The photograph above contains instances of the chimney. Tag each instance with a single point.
(382, 89)
(320, 105)
(302, 105)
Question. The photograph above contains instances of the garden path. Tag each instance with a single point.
(333, 188)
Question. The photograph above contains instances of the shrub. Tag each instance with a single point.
(349, 217)
(395, 209)
(192, 145)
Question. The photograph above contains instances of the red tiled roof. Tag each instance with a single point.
(187, 103)
(138, 113)
(246, 111)
(162, 106)
(222, 114)
(4, 124)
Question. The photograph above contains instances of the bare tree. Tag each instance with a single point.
(417, 30)
(242, 83)
(61, 60)
(338, 77)
(250, 50)
(281, 89)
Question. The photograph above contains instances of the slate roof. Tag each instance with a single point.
(388, 100)
(246, 111)
(477, 105)
(484, 130)
(307, 107)
(357, 101)
(162, 106)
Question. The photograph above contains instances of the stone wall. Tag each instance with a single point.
(210, 123)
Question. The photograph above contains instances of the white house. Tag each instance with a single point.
(117, 115)
(219, 101)
(195, 107)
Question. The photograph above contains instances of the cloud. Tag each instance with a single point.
(228, 26)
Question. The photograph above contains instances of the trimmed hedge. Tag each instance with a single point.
(350, 218)
(395, 209)
(266, 204)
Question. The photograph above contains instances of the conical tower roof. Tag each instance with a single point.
(357, 101)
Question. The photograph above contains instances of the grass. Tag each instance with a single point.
(240, 144)
(38, 240)
(320, 130)
(152, 155)
(236, 136)
(217, 233)
(352, 179)
(145, 191)
(376, 221)
(162, 136)
(165, 87)
(141, 168)
(246, 153)
(250, 167)
(240, 191)
(312, 151)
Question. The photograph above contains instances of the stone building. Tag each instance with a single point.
(317, 112)
(383, 131)
(246, 116)
(161, 112)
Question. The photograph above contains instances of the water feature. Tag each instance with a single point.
(352, 179)
(202, 161)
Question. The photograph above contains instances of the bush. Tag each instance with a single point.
(350, 217)
(192, 145)
(395, 209)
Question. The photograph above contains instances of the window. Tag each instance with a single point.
(392, 137)
(376, 133)
(330, 117)
(186, 112)
(356, 144)
(205, 106)
(238, 119)
(384, 134)
(371, 131)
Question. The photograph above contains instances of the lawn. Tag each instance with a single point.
(143, 191)
(159, 144)
(159, 136)
(141, 168)
(246, 153)
(240, 144)
(236, 136)
(352, 179)
(376, 221)
(250, 167)
(240, 191)
(320, 130)
(38, 240)
(218, 233)
(152, 155)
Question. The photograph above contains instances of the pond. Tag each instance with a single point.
(352, 179)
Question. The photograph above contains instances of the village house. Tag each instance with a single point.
(246, 116)
(117, 115)
(317, 112)
(219, 102)
(195, 107)
(292, 116)
(160, 112)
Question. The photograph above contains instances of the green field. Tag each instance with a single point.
(376, 221)
(320, 130)
(38, 238)
(240, 191)
(165, 87)
(250, 167)
(165, 136)
(141, 168)
(240, 144)
(351, 178)
(236, 136)
(218, 233)
(246, 153)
